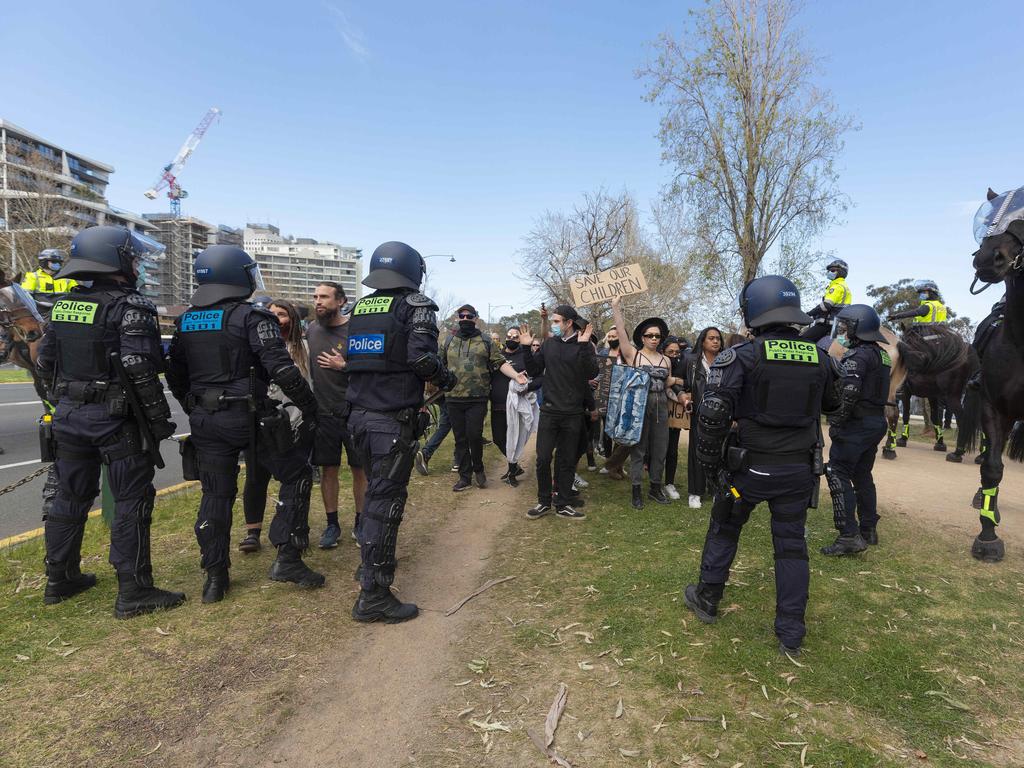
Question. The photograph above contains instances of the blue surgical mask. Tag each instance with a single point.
(556, 330)
(843, 340)
(832, 275)
(54, 266)
(923, 296)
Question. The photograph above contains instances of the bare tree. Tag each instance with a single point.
(37, 216)
(752, 141)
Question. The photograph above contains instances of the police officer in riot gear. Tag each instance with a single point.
(857, 427)
(224, 352)
(837, 295)
(101, 358)
(392, 352)
(775, 388)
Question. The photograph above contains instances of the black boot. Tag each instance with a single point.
(703, 601)
(870, 536)
(638, 497)
(379, 604)
(136, 595)
(846, 544)
(64, 581)
(251, 542)
(657, 493)
(289, 567)
(217, 584)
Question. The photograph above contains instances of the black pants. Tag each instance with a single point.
(696, 479)
(558, 438)
(787, 489)
(254, 495)
(219, 438)
(467, 418)
(850, 461)
(817, 331)
(86, 436)
(672, 456)
(499, 428)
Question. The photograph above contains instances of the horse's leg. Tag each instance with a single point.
(988, 546)
(956, 408)
(903, 402)
(935, 410)
(892, 417)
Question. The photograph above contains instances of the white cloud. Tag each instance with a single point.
(350, 34)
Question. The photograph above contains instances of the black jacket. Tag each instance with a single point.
(568, 367)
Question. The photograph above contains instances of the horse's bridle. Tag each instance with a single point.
(1015, 266)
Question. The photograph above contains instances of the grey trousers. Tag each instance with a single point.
(653, 445)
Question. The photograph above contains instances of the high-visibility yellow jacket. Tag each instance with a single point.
(42, 281)
(837, 294)
(936, 312)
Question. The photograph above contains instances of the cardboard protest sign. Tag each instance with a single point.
(604, 286)
(678, 418)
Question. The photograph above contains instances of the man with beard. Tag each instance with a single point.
(328, 338)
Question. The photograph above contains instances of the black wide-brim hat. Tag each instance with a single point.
(660, 324)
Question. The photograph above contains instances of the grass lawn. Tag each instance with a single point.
(914, 652)
(14, 376)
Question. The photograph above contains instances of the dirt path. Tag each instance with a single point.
(922, 485)
(378, 693)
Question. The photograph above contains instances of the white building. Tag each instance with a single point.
(292, 266)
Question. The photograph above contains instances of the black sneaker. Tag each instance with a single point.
(330, 536)
(251, 543)
(538, 511)
(461, 485)
(570, 513)
(870, 536)
(421, 463)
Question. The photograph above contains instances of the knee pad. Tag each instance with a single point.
(789, 548)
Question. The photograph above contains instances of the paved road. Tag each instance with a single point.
(19, 410)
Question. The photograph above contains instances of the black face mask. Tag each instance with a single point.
(613, 344)
(467, 325)
(511, 345)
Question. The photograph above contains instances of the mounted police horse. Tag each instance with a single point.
(999, 229)
(21, 331)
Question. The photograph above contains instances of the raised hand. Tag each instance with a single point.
(525, 337)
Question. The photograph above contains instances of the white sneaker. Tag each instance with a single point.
(603, 471)
(671, 492)
(694, 502)
(581, 482)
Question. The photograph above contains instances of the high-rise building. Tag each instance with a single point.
(48, 193)
(292, 266)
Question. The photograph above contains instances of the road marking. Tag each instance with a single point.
(23, 402)
(20, 464)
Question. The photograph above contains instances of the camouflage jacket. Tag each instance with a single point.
(472, 360)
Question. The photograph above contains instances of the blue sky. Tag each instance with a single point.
(453, 125)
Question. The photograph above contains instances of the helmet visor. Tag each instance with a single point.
(255, 277)
(995, 215)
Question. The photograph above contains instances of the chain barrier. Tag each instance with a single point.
(27, 479)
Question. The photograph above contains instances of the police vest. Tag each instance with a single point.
(215, 356)
(42, 281)
(85, 338)
(786, 384)
(936, 312)
(377, 341)
(837, 293)
(875, 389)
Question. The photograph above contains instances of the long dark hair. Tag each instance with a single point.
(698, 347)
(293, 340)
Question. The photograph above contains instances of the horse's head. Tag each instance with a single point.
(999, 229)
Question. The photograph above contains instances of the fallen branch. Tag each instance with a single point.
(555, 713)
(481, 590)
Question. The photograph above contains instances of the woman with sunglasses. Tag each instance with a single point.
(643, 353)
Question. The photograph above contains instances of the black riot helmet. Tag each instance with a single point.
(771, 300)
(101, 251)
(839, 267)
(395, 265)
(862, 322)
(225, 272)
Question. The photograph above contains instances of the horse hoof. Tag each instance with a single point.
(901, 442)
(956, 458)
(888, 453)
(979, 459)
(988, 551)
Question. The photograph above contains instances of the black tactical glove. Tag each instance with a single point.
(162, 429)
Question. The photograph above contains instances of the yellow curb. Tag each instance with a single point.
(10, 541)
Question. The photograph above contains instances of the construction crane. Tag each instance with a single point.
(169, 178)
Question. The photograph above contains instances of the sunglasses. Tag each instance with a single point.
(466, 316)
(652, 335)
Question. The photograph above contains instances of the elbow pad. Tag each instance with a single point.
(714, 417)
(429, 368)
(289, 379)
(142, 373)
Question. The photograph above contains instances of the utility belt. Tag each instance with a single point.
(214, 400)
(89, 392)
(776, 459)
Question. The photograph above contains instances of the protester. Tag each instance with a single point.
(472, 358)
(643, 353)
(257, 476)
(709, 344)
(328, 341)
(500, 387)
(568, 363)
(673, 349)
